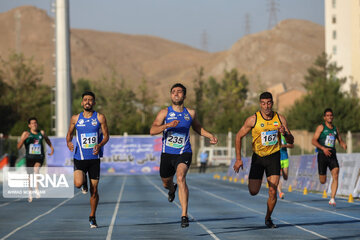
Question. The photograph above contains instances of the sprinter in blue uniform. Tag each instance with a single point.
(91, 135)
(175, 122)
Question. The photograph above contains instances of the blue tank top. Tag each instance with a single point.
(176, 140)
(88, 134)
(283, 151)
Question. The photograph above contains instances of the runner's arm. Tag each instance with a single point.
(70, 133)
(47, 140)
(198, 128)
(245, 129)
(105, 132)
(341, 142)
(285, 131)
(315, 141)
(158, 125)
(23, 137)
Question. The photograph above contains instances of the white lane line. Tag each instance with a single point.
(7, 203)
(201, 225)
(296, 203)
(111, 227)
(46, 213)
(258, 212)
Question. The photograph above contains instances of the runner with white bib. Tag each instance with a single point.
(175, 122)
(324, 140)
(34, 150)
(91, 136)
(266, 127)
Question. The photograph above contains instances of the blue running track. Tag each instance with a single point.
(136, 207)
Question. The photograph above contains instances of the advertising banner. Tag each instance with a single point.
(122, 155)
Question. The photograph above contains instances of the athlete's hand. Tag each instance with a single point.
(237, 165)
(52, 151)
(281, 129)
(343, 145)
(172, 124)
(213, 140)
(70, 146)
(96, 150)
(327, 152)
(25, 135)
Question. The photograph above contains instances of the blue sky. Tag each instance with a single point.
(183, 21)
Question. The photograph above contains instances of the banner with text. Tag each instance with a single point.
(122, 155)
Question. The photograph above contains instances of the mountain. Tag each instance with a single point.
(279, 55)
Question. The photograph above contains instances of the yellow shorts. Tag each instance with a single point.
(284, 163)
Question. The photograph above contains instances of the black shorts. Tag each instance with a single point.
(92, 167)
(30, 163)
(169, 163)
(271, 165)
(324, 162)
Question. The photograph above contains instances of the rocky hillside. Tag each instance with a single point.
(280, 55)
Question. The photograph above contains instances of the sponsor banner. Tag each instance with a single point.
(303, 172)
(122, 155)
(349, 174)
(50, 182)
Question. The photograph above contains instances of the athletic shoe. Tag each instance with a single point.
(171, 195)
(30, 198)
(84, 188)
(332, 202)
(282, 195)
(269, 223)
(184, 221)
(92, 221)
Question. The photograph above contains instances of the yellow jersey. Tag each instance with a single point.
(266, 137)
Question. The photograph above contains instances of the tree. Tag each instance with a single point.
(23, 94)
(145, 107)
(324, 91)
(221, 104)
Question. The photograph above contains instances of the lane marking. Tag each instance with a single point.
(258, 212)
(300, 204)
(111, 227)
(36, 218)
(7, 203)
(200, 224)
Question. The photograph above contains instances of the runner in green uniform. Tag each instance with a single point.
(34, 149)
(324, 140)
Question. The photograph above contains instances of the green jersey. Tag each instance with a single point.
(328, 137)
(34, 146)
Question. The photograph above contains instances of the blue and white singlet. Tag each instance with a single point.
(88, 134)
(176, 140)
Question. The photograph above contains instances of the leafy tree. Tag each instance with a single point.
(78, 89)
(324, 91)
(23, 94)
(145, 107)
(222, 104)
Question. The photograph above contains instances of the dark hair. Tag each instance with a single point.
(179, 85)
(328, 110)
(266, 95)
(88, 93)
(32, 118)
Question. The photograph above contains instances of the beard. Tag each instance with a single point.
(178, 103)
(87, 108)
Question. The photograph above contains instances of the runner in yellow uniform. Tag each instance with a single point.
(266, 126)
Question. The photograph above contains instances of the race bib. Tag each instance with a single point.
(89, 140)
(35, 149)
(330, 141)
(269, 138)
(175, 140)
